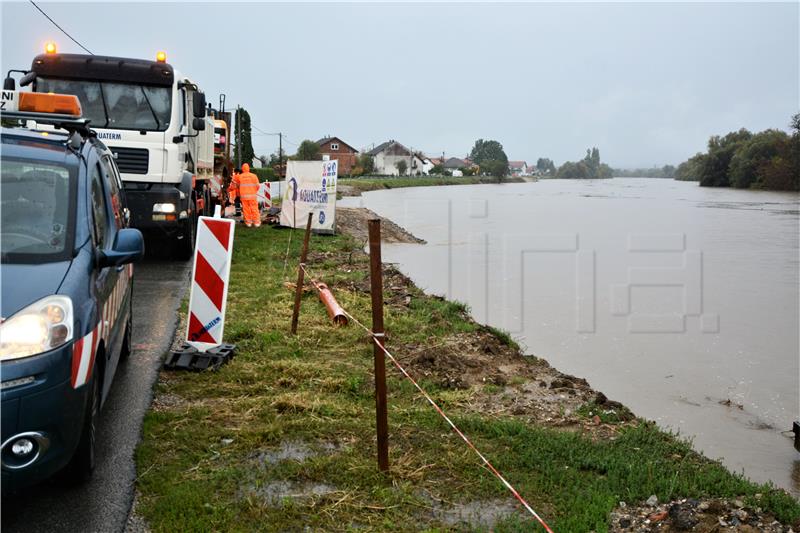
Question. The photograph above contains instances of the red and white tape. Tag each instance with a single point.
(439, 410)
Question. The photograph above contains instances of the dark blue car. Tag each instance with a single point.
(66, 279)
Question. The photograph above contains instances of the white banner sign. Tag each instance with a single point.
(311, 188)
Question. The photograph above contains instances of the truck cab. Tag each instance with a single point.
(154, 120)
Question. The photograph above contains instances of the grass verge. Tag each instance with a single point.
(355, 186)
(283, 437)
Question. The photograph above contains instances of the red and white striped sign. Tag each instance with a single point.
(85, 348)
(263, 195)
(209, 293)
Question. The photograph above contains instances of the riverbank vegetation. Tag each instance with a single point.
(355, 186)
(282, 438)
(490, 158)
(665, 172)
(589, 167)
(765, 160)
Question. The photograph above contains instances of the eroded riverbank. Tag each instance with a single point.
(223, 447)
(552, 263)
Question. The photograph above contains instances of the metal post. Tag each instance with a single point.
(300, 275)
(280, 156)
(238, 137)
(376, 291)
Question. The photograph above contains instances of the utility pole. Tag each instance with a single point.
(280, 155)
(238, 136)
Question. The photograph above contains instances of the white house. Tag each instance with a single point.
(387, 155)
(518, 168)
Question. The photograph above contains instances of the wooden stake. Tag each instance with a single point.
(376, 291)
(298, 293)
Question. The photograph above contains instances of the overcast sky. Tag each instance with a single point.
(646, 83)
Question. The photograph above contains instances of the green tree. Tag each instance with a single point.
(714, 166)
(752, 155)
(307, 151)
(589, 167)
(490, 157)
(243, 136)
(438, 170)
(545, 165)
(366, 163)
(401, 167)
(495, 167)
(689, 170)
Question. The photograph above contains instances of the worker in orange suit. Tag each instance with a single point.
(248, 192)
(233, 193)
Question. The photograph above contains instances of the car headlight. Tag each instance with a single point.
(40, 327)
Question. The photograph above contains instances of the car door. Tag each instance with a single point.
(105, 279)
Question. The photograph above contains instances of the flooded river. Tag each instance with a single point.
(679, 301)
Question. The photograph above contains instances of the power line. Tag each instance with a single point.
(59, 27)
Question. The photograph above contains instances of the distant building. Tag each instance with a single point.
(454, 166)
(333, 148)
(426, 163)
(387, 155)
(518, 168)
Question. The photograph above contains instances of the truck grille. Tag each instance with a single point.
(130, 160)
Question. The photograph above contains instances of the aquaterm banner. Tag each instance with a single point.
(310, 188)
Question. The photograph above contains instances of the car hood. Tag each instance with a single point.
(21, 285)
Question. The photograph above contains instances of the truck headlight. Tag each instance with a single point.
(163, 208)
(40, 327)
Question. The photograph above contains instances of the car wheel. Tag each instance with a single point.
(80, 467)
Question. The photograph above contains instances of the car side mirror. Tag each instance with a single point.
(199, 124)
(9, 84)
(199, 105)
(128, 248)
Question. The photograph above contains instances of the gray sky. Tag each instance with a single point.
(646, 83)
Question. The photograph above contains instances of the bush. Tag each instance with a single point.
(265, 174)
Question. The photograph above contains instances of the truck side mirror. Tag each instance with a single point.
(199, 124)
(199, 105)
(9, 84)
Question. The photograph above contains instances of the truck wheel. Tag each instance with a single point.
(80, 467)
(185, 247)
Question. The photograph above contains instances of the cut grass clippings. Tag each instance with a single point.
(213, 457)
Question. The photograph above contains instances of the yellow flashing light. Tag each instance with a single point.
(161, 57)
(50, 47)
(64, 104)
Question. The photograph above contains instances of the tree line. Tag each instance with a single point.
(765, 160)
(666, 172)
(590, 167)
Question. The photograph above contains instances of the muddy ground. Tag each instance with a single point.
(353, 221)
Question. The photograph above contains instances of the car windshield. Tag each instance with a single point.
(123, 106)
(35, 220)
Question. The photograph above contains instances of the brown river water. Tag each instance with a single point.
(679, 301)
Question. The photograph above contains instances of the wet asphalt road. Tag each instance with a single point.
(103, 503)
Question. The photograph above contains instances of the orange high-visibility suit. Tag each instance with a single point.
(233, 188)
(248, 191)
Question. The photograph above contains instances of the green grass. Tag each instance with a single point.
(372, 183)
(199, 466)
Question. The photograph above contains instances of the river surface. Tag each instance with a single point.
(679, 301)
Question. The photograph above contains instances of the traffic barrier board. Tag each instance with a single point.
(209, 292)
